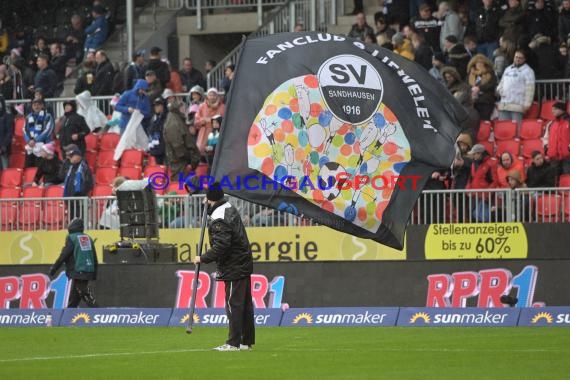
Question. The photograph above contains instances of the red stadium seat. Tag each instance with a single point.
(109, 141)
(531, 129)
(29, 174)
(8, 209)
(504, 129)
(511, 146)
(105, 176)
(151, 161)
(29, 216)
(176, 187)
(92, 142)
(53, 210)
(132, 158)
(484, 132)
(19, 122)
(489, 146)
(11, 177)
(102, 191)
(91, 158)
(150, 169)
(6, 193)
(33, 192)
(533, 112)
(548, 208)
(105, 159)
(202, 169)
(546, 110)
(17, 160)
(529, 146)
(564, 180)
(131, 173)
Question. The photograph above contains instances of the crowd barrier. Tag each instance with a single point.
(305, 317)
(541, 205)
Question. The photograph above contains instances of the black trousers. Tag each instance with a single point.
(239, 309)
(80, 291)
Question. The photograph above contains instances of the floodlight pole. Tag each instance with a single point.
(197, 272)
(130, 29)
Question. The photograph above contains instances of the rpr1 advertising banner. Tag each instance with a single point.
(436, 284)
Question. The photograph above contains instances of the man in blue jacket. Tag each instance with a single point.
(98, 30)
(131, 100)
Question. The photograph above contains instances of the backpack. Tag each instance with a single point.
(83, 253)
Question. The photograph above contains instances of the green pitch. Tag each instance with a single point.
(286, 353)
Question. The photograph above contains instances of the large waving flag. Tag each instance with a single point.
(351, 132)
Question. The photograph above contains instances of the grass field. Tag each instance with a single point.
(286, 353)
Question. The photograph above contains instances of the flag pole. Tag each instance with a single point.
(197, 272)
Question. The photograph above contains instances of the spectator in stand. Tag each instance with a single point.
(402, 46)
(23, 78)
(38, 49)
(227, 79)
(513, 21)
(45, 78)
(155, 89)
(175, 83)
(195, 98)
(71, 128)
(58, 64)
(540, 173)
(462, 162)
(49, 166)
(209, 66)
(483, 176)
(6, 133)
(131, 100)
(558, 137)
(85, 82)
(564, 21)
(110, 219)
(160, 68)
(98, 31)
(437, 63)
(541, 20)
(136, 69)
(503, 56)
(6, 83)
(213, 139)
(453, 81)
(191, 76)
(213, 105)
(457, 55)
(470, 43)
(422, 51)
(360, 29)
(75, 39)
(483, 82)
(78, 182)
(383, 30)
(89, 64)
(38, 130)
(104, 73)
(427, 26)
(180, 146)
(516, 89)
(548, 66)
(156, 131)
(508, 163)
(450, 23)
(487, 28)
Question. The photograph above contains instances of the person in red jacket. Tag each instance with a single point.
(558, 149)
(483, 176)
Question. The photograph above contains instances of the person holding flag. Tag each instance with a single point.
(230, 250)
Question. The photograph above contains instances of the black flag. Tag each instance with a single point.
(339, 131)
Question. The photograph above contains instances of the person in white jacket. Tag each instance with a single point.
(516, 89)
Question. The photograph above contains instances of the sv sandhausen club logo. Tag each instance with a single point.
(351, 88)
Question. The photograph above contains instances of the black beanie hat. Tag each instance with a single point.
(560, 106)
(214, 192)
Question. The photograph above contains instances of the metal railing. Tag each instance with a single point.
(540, 205)
(314, 15)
